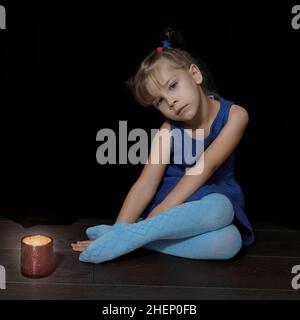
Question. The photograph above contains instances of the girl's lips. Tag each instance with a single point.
(182, 110)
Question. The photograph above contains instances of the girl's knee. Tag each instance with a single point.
(224, 210)
(221, 199)
(229, 243)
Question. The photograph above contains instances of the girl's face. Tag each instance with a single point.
(176, 92)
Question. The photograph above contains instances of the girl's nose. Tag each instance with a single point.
(172, 102)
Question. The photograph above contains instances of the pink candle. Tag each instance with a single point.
(36, 256)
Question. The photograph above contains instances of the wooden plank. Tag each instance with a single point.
(48, 291)
(147, 268)
(267, 264)
(251, 276)
(166, 270)
(276, 243)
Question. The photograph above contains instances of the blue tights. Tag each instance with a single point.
(200, 229)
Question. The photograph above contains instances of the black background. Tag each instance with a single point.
(63, 73)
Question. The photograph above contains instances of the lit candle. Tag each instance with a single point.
(36, 256)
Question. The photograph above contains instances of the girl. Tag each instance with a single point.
(170, 209)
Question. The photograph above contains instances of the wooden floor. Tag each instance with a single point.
(264, 272)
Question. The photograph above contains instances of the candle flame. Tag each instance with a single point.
(37, 240)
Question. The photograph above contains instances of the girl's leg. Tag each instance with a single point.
(223, 243)
(212, 212)
(95, 232)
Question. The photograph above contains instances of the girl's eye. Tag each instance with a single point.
(173, 85)
(158, 102)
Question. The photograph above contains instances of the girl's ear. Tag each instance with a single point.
(196, 73)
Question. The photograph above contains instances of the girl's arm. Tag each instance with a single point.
(219, 150)
(143, 190)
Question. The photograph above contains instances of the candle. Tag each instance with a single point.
(36, 256)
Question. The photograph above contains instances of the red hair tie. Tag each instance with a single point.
(159, 49)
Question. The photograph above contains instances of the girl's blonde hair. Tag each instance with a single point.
(179, 59)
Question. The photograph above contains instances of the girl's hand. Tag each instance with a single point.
(81, 245)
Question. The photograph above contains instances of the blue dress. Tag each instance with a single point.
(222, 181)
